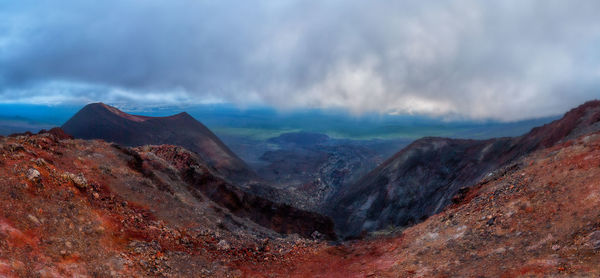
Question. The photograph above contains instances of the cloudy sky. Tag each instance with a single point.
(504, 60)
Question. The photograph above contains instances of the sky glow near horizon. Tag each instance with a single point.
(503, 60)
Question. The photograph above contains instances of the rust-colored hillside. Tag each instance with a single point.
(79, 208)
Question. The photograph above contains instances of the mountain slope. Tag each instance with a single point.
(86, 208)
(421, 180)
(100, 121)
(537, 217)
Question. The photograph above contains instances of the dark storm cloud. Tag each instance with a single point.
(478, 59)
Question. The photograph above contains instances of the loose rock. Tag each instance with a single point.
(594, 240)
(33, 175)
(78, 180)
(34, 219)
(223, 245)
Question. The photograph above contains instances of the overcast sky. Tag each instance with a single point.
(504, 60)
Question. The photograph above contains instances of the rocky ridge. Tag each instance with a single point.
(422, 178)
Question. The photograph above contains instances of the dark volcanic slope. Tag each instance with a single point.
(421, 179)
(100, 121)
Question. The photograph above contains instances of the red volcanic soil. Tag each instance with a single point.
(537, 217)
(91, 209)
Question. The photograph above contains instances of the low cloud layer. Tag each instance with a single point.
(505, 60)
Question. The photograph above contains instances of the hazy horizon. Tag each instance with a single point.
(495, 60)
(260, 123)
